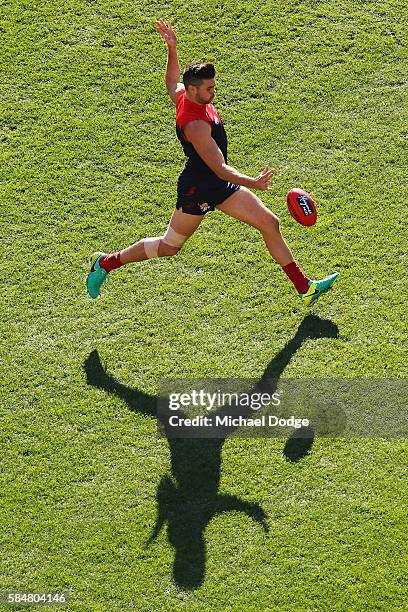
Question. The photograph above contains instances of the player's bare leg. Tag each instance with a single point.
(180, 222)
(180, 228)
(246, 206)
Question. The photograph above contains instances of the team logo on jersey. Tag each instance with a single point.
(204, 207)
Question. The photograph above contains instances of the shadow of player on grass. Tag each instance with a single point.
(188, 498)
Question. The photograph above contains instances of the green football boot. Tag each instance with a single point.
(97, 275)
(316, 288)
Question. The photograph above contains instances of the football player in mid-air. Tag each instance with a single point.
(207, 182)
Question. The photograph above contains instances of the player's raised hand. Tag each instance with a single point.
(165, 29)
(263, 181)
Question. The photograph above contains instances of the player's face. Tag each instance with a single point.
(206, 91)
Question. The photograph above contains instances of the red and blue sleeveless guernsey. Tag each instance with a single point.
(199, 189)
(187, 111)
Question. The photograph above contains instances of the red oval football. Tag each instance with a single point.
(301, 207)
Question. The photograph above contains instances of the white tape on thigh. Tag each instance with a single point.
(151, 247)
(173, 238)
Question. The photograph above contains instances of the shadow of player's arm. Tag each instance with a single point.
(138, 401)
(97, 376)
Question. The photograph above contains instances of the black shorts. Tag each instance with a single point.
(197, 198)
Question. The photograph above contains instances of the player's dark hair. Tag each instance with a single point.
(196, 72)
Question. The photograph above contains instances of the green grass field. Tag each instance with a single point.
(89, 161)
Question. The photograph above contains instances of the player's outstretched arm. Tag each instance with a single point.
(199, 134)
(174, 87)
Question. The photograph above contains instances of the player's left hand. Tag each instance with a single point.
(263, 181)
(165, 29)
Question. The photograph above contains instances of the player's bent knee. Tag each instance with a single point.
(171, 242)
(151, 247)
(276, 223)
(173, 239)
(166, 250)
(164, 246)
(270, 224)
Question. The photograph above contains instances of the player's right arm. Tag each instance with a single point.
(198, 133)
(173, 84)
